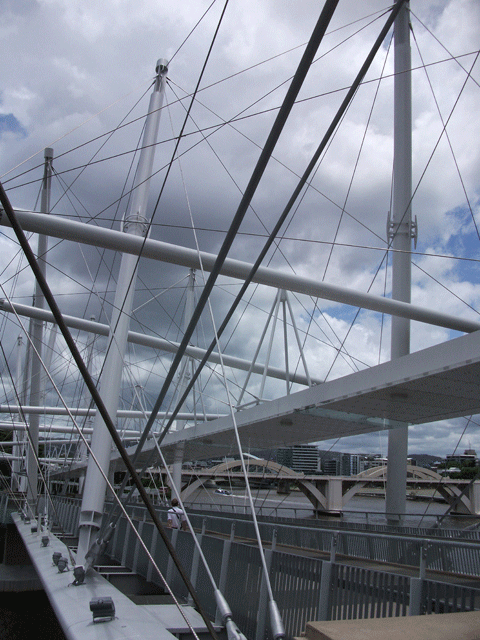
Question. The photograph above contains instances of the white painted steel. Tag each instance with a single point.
(20, 426)
(429, 385)
(78, 411)
(154, 342)
(36, 374)
(183, 256)
(110, 378)
(72, 604)
(401, 220)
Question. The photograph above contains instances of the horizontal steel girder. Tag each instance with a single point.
(153, 342)
(156, 250)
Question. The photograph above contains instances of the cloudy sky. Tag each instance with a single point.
(75, 70)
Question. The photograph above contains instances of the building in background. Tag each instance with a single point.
(302, 458)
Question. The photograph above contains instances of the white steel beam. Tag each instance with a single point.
(20, 426)
(183, 256)
(153, 342)
(83, 411)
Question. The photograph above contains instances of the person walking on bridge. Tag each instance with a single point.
(176, 517)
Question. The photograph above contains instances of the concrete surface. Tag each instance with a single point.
(446, 626)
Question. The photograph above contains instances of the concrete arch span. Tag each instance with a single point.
(463, 499)
(268, 468)
(330, 494)
(413, 471)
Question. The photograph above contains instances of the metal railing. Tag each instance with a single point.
(305, 588)
(442, 554)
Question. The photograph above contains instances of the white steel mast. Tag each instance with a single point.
(37, 342)
(135, 223)
(400, 234)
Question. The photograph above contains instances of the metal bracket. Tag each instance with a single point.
(392, 228)
(414, 231)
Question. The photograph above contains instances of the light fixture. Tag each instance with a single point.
(102, 609)
(62, 564)
(79, 575)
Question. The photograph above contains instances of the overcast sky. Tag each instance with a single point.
(72, 70)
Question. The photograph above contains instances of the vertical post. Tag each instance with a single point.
(473, 494)
(324, 602)
(153, 550)
(169, 574)
(137, 546)
(135, 223)
(415, 596)
(195, 565)
(400, 234)
(325, 591)
(334, 495)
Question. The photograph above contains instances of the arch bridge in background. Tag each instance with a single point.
(330, 494)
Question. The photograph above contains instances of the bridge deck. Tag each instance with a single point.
(433, 384)
(72, 604)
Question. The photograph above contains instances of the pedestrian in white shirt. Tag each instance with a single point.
(176, 517)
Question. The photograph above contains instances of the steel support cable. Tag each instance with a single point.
(418, 184)
(29, 439)
(10, 494)
(95, 115)
(235, 118)
(221, 602)
(342, 116)
(443, 131)
(276, 621)
(97, 398)
(161, 192)
(22, 416)
(447, 136)
(139, 118)
(343, 341)
(111, 488)
(357, 160)
(118, 201)
(450, 291)
(192, 30)
(215, 127)
(169, 166)
(288, 103)
(271, 91)
(278, 248)
(291, 202)
(28, 443)
(452, 57)
(72, 559)
(108, 137)
(260, 167)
